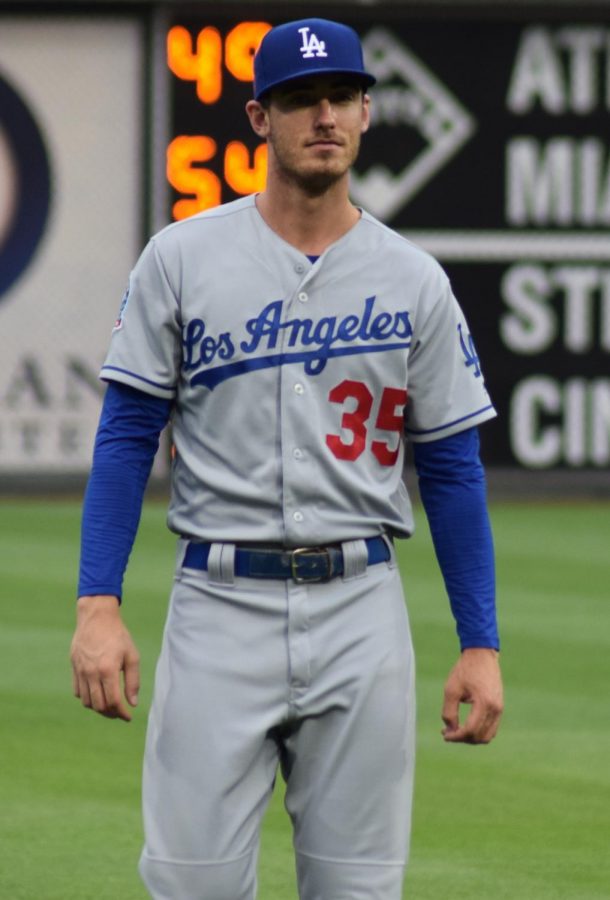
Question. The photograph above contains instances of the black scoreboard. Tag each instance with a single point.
(489, 147)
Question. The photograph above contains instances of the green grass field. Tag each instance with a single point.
(526, 818)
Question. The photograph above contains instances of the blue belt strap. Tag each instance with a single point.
(302, 564)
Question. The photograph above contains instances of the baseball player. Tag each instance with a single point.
(295, 342)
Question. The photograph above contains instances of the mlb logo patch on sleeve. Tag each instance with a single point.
(119, 319)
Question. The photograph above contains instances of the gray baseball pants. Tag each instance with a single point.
(317, 679)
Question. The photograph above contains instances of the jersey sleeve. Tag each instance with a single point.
(447, 390)
(145, 349)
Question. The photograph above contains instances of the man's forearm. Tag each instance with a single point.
(452, 488)
(126, 443)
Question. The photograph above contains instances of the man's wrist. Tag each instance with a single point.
(95, 602)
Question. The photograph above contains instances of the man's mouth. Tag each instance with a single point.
(324, 142)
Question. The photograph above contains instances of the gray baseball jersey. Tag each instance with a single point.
(294, 380)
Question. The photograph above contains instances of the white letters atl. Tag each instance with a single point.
(311, 45)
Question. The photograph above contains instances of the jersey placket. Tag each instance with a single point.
(295, 402)
(295, 393)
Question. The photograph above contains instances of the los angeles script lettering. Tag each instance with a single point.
(265, 331)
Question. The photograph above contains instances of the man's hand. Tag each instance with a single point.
(475, 679)
(101, 649)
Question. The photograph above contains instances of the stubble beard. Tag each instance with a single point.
(314, 181)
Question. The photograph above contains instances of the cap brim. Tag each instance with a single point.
(364, 77)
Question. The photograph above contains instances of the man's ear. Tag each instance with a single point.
(259, 119)
(366, 113)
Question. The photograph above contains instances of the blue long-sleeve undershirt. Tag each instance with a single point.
(451, 481)
(125, 446)
(453, 491)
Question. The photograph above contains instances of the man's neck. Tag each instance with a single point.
(311, 224)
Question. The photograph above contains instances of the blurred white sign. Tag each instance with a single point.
(70, 226)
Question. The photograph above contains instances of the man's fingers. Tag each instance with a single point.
(103, 696)
(114, 707)
(101, 691)
(464, 734)
(451, 711)
(451, 725)
(132, 677)
(490, 725)
(480, 726)
(75, 687)
(98, 696)
(83, 693)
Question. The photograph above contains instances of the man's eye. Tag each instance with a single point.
(343, 96)
(297, 98)
(301, 99)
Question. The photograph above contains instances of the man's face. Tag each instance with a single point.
(313, 127)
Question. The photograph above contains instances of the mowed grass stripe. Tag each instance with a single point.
(523, 819)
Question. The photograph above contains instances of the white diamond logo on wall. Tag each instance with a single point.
(407, 94)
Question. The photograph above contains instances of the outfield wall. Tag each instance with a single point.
(489, 147)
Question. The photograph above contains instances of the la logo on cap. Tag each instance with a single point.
(312, 46)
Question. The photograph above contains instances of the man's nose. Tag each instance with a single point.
(325, 113)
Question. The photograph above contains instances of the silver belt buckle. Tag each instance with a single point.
(299, 552)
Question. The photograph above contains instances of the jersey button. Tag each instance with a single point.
(298, 516)
(299, 268)
(298, 388)
(297, 453)
(303, 297)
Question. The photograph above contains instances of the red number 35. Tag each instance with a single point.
(389, 418)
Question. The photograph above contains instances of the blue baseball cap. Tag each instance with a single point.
(307, 47)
